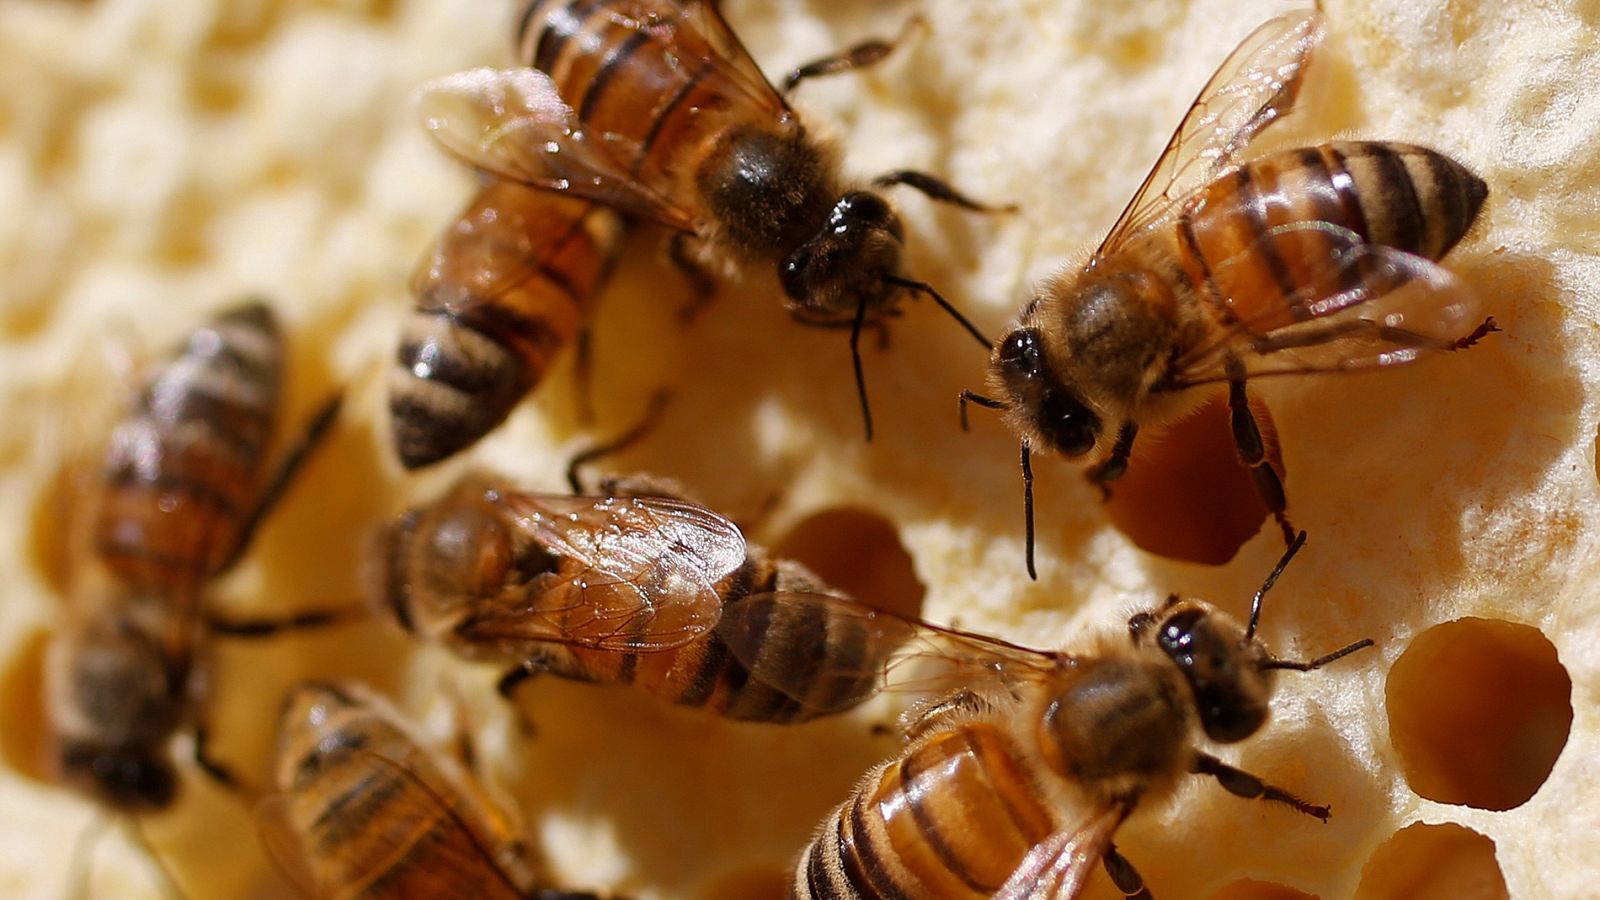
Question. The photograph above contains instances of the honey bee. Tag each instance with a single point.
(363, 809)
(655, 108)
(1015, 785)
(624, 589)
(502, 292)
(181, 492)
(1317, 259)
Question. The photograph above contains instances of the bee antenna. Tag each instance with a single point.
(1272, 579)
(924, 288)
(646, 424)
(1027, 507)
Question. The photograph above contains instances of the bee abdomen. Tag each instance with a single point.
(181, 470)
(453, 384)
(1411, 198)
(953, 817)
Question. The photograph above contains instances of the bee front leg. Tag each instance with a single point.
(1124, 875)
(218, 771)
(1111, 468)
(1242, 784)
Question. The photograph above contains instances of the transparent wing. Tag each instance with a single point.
(1359, 306)
(1253, 88)
(415, 820)
(499, 241)
(513, 124)
(635, 574)
(829, 653)
(699, 29)
(1059, 867)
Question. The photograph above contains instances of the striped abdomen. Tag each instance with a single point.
(952, 817)
(794, 661)
(364, 811)
(183, 468)
(1256, 236)
(652, 87)
(503, 291)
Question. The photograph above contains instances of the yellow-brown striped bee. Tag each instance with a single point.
(1318, 259)
(1014, 785)
(501, 293)
(655, 108)
(182, 488)
(364, 810)
(628, 590)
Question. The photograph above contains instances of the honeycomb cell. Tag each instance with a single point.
(1250, 889)
(1433, 862)
(1479, 710)
(1186, 495)
(859, 552)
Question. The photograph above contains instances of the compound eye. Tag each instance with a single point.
(794, 275)
(863, 206)
(1019, 352)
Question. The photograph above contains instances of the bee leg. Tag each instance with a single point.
(979, 400)
(1111, 468)
(507, 687)
(1253, 454)
(936, 188)
(250, 629)
(218, 771)
(938, 712)
(583, 374)
(639, 430)
(1243, 784)
(701, 285)
(1484, 329)
(315, 432)
(876, 323)
(862, 55)
(1124, 875)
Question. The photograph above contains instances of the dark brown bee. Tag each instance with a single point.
(1319, 259)
(1015, 784)
(364, 810)
(655, 108)
(626, 590)
(504, 290)
(182, 488)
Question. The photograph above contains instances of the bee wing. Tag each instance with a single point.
(457, 861)
(642, 577)
(1358, 306)
(1059, 867)
(499, 241)
(727, 53)
(829, 653)
(1253, 88)
(513, 124)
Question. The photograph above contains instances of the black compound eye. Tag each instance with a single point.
(862, 206)
(1019, 352)
(794, 274)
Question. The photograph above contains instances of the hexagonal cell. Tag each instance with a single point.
(859, 552)
(1250, 889)
(1186, 495)
(1433, 862)
(1479, 710)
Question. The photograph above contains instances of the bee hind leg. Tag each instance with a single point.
(1253, 454)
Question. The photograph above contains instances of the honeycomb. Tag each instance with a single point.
(158, 160)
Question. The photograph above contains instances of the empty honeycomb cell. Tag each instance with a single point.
(1186, 495)
(859, 552)
(1433, 862)
(1479, 709)
(23, 733)
(1250, 889)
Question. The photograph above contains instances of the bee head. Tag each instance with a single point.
(1048, 412)
(848, 263)
(436, 562)
(135, 779)
(1225, 670)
